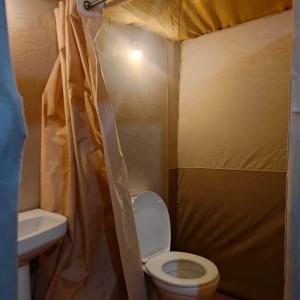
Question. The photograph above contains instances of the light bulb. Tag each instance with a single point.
(136, 54)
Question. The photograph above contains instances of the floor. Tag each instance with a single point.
(222, 297)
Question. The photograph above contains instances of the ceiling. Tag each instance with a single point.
(184, 19)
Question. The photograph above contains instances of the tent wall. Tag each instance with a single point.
(33, 47)
(224, 142)
(139, 92)
(232, 153)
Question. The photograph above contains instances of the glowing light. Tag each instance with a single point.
(136, 54)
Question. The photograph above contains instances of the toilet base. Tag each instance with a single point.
(168, 296)
(168, 292)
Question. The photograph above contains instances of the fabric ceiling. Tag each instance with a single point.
(184, 19)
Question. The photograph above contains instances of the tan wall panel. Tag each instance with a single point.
(139, 92)
(234, 91)
(236, 219)
(33, 47)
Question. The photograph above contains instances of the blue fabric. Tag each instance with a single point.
(12, 135)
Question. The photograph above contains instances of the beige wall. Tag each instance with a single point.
(139, 91)
(232, 153)
(234, 90)
(33, 47)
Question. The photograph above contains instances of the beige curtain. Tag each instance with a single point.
(83, 175)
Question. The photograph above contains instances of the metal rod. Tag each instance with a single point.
(88, 4)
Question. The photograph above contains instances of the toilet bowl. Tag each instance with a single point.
(177, 275)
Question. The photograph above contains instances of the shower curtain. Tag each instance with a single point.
(83, 175)
(12, 134)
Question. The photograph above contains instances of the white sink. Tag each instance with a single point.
(38, 230)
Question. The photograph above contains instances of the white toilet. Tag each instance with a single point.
(177, 275)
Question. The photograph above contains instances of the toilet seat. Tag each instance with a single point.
(155, 268)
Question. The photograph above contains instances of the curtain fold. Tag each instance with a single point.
(83, 175)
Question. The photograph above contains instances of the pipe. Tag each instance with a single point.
(108, 3)
(88, 4)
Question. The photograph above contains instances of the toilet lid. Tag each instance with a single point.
(152, 224)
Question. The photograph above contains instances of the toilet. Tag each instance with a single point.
(177, 275)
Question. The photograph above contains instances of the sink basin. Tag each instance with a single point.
(38, 230)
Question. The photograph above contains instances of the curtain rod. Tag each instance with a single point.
(88, 4)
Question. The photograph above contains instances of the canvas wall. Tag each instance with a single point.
(33, 47)
(232, 153)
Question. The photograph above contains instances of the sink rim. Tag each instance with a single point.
(38, 239)
(38, 213)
